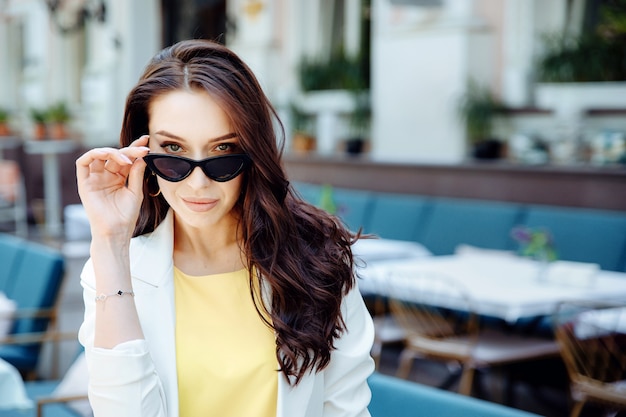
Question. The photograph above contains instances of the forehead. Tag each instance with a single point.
(188, 113)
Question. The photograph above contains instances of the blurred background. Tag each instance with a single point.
(517, 101)
(528, 81)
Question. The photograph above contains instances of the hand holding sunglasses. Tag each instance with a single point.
(176, 168)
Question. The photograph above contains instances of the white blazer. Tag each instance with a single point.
(139, 379)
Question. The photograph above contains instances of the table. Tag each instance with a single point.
(601, 321)
(50, 150)
(502, 285)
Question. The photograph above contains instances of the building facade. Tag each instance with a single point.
(89, 53)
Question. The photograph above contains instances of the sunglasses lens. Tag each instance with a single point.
(171, 168)
(175, 168)
(224, 169)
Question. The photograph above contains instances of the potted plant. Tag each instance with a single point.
(576, 73)
(4, 122)
(478, 109)
(328, 86)
(302, 140)
(58, 116)
(38, 117)
(360, 120)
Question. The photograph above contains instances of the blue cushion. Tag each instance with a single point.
(310, 193)
(11, 249)
(36, 283)
(396, 216)
(353, 206)
(584, 235)
(394, 397)
(484, 224)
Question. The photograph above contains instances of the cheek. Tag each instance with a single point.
(167, 188)
(233, 188)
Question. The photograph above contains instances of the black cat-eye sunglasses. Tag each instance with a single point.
(176, 168)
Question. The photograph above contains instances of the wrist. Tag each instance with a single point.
(110, 246)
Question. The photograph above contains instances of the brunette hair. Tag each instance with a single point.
(302, 253)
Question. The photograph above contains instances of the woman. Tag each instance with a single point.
(212, 289)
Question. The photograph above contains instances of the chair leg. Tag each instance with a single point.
(405, 363)
(577, 408)
(467, 378)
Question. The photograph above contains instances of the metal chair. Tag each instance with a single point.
(439, 319)
(32, 277)
(386, 329)
(66, 397)
(592, 338)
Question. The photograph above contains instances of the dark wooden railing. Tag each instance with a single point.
(574, 186)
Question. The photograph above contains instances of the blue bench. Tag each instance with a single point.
(440, 224)
(394, 397)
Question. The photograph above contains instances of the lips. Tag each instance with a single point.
(199, 205)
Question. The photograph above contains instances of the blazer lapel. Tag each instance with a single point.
(152, 271)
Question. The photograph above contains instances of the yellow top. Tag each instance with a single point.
(225, 354)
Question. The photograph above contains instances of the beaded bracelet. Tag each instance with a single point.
(103, 297)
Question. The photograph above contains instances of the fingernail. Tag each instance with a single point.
(127, 159)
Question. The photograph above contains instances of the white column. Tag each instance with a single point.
(36, 37)
(119, 50)
(519, 38)
(421, 61)
(352, 29)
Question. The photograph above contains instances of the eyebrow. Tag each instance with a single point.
(173, 136)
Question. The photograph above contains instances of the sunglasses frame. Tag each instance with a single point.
(150, 158)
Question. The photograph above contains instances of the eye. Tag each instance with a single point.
(227, 147)
(172, 147)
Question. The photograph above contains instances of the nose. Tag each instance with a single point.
(197, 179)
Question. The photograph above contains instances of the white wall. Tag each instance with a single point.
(53, 64)
(421, 61)
(118, 52)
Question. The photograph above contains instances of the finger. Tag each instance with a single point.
(141, 141)
(89, 160)
(135, 176)
(113, 167)
(135, 152)
(95, 161)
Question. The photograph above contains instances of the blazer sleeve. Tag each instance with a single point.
(123, 381)
(346, 391)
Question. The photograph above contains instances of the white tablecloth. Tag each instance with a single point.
(504, 286)
(12, 392)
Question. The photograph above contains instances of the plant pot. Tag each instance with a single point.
(39, 131)
(58, 131)
(355, 146)
(4, 129)
(302, 143)
(488, 149)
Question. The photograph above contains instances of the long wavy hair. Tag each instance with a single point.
(302, 253)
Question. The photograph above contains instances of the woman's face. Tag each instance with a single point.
(189, 123)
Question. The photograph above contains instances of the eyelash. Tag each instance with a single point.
(230, 147)
(168, 146)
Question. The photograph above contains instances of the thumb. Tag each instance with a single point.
(135, 176)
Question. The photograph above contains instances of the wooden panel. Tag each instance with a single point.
(601, 188)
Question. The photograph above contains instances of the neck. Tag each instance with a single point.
(207, 251)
